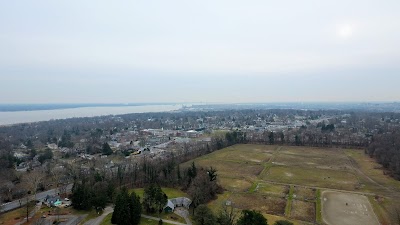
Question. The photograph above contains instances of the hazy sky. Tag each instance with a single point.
(208, 51)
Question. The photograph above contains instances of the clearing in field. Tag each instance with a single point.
(347, 209)
(235, 185)
(312, 177)
(271, 189)
(311, 159)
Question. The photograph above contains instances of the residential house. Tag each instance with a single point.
(177, 202)
(52, 201)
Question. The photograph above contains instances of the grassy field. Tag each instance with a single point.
(259, 176)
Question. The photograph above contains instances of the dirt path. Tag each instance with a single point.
(355, 167)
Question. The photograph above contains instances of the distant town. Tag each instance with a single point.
(136, 150)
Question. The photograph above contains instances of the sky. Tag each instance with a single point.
(211, 51)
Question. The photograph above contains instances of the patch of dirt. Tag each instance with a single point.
(347, 209)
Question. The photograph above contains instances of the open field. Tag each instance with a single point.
(347, 209)
(263, 178)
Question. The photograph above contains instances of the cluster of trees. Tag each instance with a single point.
(89, 194)
(154, 199)
(385, 148)
(128, 209)
(230, 216)
(202, 185)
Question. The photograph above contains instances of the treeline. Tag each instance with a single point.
(304, 136)
(227, 215)
(385, 148)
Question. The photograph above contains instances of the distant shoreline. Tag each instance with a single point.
(55, 106)
(18, 117)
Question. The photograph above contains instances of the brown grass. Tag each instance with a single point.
(272, 189)
(235, 185)
(302, 210)
(312, 177)
(262, 203)
(304, 194)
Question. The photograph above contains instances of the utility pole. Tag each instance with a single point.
(27, 206)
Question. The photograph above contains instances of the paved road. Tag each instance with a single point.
(68, 219)
(39, 196)
(98, 220)
(108, 210)
(166, 221)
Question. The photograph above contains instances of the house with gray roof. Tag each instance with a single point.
(177, 202)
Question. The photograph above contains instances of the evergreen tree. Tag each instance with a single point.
(82, 196)
(154, 199)
(252, 217)
(271, 138)
(135, 208)
(107, 149)
(122, 212)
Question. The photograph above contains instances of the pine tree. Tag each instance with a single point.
(122, 212)
(135, 208)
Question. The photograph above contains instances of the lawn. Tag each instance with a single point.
(12, 217)
(170, 192)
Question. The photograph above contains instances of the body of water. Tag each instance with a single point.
(8, 118)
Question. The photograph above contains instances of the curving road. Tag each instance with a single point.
(20, 202)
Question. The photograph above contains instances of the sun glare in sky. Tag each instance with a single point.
(345, 31)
